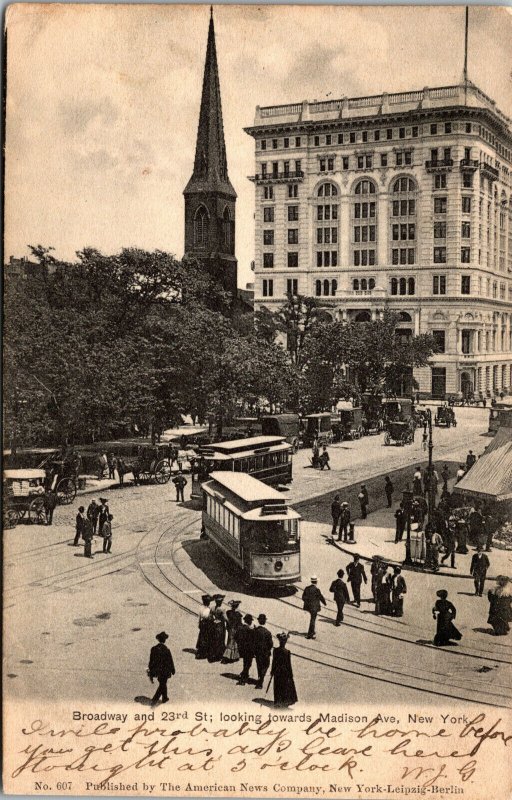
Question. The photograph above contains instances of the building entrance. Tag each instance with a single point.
(438, 383)
(466, 384)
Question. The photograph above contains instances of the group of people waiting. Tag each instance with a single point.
(228, 636)
(96, 521)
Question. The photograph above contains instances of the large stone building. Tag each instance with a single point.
(209, 195)
(400, 201)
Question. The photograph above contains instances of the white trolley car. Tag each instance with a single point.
(251, 523)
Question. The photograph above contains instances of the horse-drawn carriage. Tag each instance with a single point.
(150, 462)
(399, 433)
(61, 475)
(23, 496)
(348, 423)
(445, 417)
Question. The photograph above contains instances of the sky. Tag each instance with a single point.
(103, 102)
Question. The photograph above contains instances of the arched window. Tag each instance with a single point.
(326, 288)
(201, 227)
(363, 316)
(405, 317)
(318, 288)
(326, 221)
(403, 221)
(226, 229)
(364, 284)
(394, 285)
(355, 285)
(371, 283)
(403, 286)
(334, 288)
(364, 224)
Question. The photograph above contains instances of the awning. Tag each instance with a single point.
(491, 475)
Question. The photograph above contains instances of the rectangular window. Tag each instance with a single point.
(439, 255)
(440, 181)
(394, 256)
(369, 162)
(376, 136)
(340, 138)
(410, 255)
(468, 127)
(465, 284)
(408, 157)
(439, 284)
(297, 141)
(357, 234)
(268, 214)
(268, 260)
(360, 162)
(447, 153)
(319, 235)
(401, 133)
(327, 212)
(320, 213)
(466, 230)
(399, 159)
(334, 212)
(319, 258)
(372, 230)
(439, 230)
(465, 255)
(327, 235)
(415, 131)
(352, 137)
(286, 143)
(466, 205)
(293, 259)
(275, 168)
(403, 256)
(330, 164)
(268, 237)
(274, 144)
(293, 235)
(467, 180)
(327, 258)
(440, 204)
(433, 128)
(439, 341)
(293, 190)
(356, 258)
(293, 213)
(334, 235)
(322, 163)
(292, 286)
(447, 127)
(383, 159)
(268, 288)
(364, 136)
(328, 139)
(298, 165)
(389, 133)
(263, 144)
(263, 170)
(317, 141)
(286, 167)
(334, 259)
(345, 162)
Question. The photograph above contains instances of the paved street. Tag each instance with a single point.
(159, 567)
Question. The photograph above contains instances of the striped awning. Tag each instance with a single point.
(491, 476)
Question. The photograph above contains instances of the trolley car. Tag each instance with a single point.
(252, 525)
(268, 458)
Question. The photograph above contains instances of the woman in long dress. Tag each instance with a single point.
(218, 635)
(233, 621)
(444, 611)
(384, 585)
(285, 693)
(500, 605)
(205, 628)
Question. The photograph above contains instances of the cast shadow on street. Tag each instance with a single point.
(262, 701)
(191, 650)
(143, 700)
(488, 631)
(220, 571)
(467, 594)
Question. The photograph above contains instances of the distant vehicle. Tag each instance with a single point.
(287, 425)
(317, 427)
(23, 496)
(29, 458)
(399, 409)
(186, 437)
(445, 417)
(497, 413)
(252, 525)
(399, 433)
(350, 421)
(268, 458)
(372, 412)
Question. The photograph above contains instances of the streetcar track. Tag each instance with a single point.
(333, 657)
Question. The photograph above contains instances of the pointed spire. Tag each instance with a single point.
(210, 163)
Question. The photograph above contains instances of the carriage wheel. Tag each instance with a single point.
(387, 438)
(144, 477)
(162, 472)
(11, 518)
(66, 491)
(36, 511)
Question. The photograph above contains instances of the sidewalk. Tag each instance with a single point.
(376, 536)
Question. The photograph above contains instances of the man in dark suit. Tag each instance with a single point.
(344, 523)
(335, 514)
(263, 644)
(340, 592)
(50, 502)
(479, 566)
(245, 640)
(161, 667)
(79, 526)
(356, 575)
(312, 597)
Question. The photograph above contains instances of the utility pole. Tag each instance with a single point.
(430, 468)
(407, 504)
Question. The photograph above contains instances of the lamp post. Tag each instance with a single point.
(430, 468)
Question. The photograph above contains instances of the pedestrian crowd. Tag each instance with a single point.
(96, 521)
(227, 636)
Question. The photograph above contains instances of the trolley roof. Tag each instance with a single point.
(246, 487)
(23, 474)
(270, 504)
(251, 443)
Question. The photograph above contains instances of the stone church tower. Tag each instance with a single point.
(209, 196)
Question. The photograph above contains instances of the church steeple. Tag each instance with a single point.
(209, 195)
(210, 163)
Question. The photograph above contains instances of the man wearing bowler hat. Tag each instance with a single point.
(262, 643)
(312, 597)
(161, 667)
